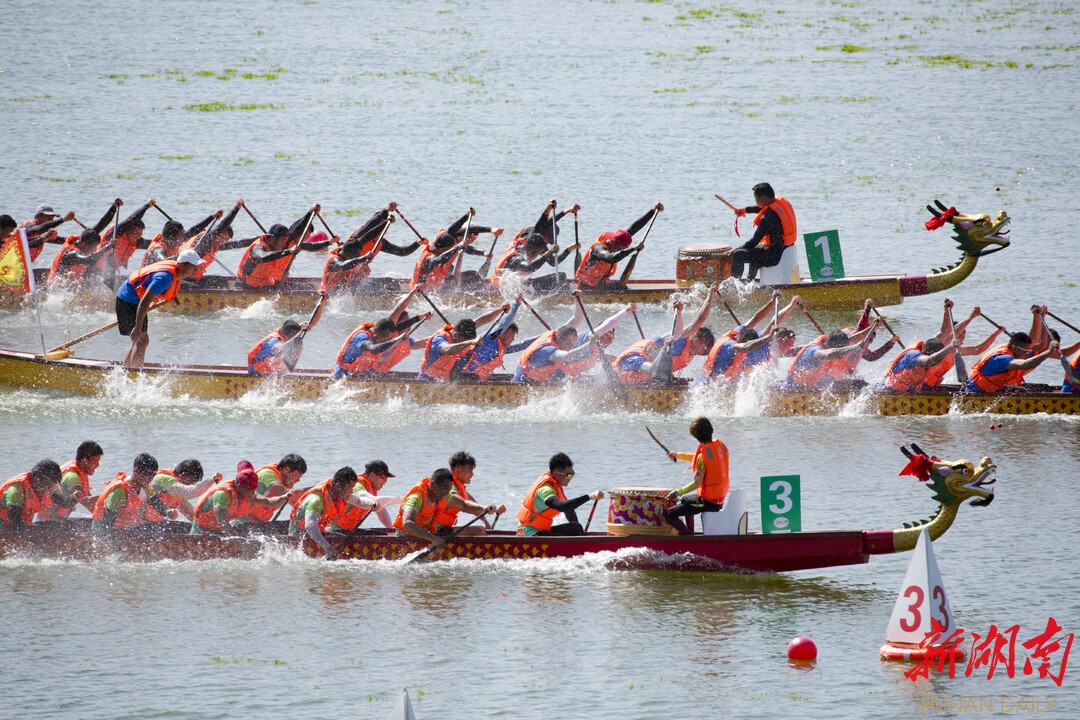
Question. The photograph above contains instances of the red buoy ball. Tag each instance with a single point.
(802, 649)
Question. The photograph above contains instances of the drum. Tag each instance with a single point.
(702, 263)
(639, 511)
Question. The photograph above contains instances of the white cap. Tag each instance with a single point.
(189, 257)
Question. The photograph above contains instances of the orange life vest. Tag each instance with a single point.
(503, 259)
(527, 515)
(591, 273)
(495, 363)
(206, 518)
(437, 276)
(641, 347)
(995, 383)
(45, 237)
(332, 279)
(73, 272)
(265, 513)
(32, 504)
(141, 278)
(446, 515)
(812, 377)
(265, 274)
(131, 514)
(428, 509)
(714, 486)
(171, 251)
(787, 221)
(911, 378)
(714, 353)
(151, 515)
(365, 361)
(539, 374)
(935, 375)
(268, 364)
(123, 249)
(440, 367)
(586, 363)
(353, 515)
(59, 512)
(332, 509)
(1074, 363)
(207, 257)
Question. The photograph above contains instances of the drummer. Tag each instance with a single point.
(709, 487)
(547, 498)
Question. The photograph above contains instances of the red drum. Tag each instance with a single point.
(702, 263)
(639, 511)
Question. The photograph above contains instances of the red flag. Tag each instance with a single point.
(16, 277)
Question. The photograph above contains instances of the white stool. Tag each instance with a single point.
(786, 272)
(728, 520)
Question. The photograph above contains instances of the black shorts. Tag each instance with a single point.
(125, 317)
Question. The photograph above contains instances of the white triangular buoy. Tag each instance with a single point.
(403, 709)
(922, 601)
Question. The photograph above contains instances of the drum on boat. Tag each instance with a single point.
(702, 263)
(639, 511)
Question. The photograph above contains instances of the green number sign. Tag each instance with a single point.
(781, 511)
(823, 255)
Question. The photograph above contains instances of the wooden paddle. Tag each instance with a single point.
(461, 252)
(361, 521)
(296, 248)
(536, 314)
(420, 237)
(404, 338)
(323, 221)
(434, 307)
(167, 215)
(555, 241)
(811, 319)
(486, 267)
(958, 360)
(577, 241)
(591, 513)
(633, 312)
(610, 375)
(60, 351)
(999, 327)
(662, 445)
(254, 219)
(886, 323)
(290, 362)
(1071, 327)
(729, 310)
(632, 263)
(424, 553)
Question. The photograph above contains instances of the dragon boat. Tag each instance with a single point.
(85, 376)
(951, 483)
(975, 235)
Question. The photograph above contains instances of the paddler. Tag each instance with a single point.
(173, 236)
(324, 504)
(462, 468)
(227, 505)
(267, 260)
(79, 253)
(416, 515)
(547, 358)
(375, 348)
(1006, 365)
(29, 494)
(828, 360)
(655, 359)
(277, 480)
(500, 341)
(776, 231)
(348, 266)
(369, 485)
(547, 498)
(278, 353)
(706, 492)
(435, 264)
(909, 369)
(120, 505)
(179, 485)
(600, 260)
(213, 240)
(75, 480)
(738, 351)
(519, 262)
(447, 347)
(129, 238)
(41, 229)
(1070, 363)
(144, 286)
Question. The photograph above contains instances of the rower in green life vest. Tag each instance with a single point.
(546, 499)
(120, 506)
(75, 480)
(29, 494)
(462, 467)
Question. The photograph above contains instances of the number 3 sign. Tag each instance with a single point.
(781, 510)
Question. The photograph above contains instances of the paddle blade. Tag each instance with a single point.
(612, 378)
(629, 269)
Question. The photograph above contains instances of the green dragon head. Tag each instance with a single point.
(951, 482)
(976, 235)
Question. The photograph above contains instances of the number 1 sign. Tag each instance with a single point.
(823, 255)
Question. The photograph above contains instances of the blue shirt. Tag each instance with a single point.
(540, 358)
(994, 365)
(353, 350)
(157, 283)
(265, 351)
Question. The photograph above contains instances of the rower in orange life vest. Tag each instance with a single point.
(138, 293)
(178, 486)
(462, 467)
(448, 347)
(279, 352)
(599, 263)
(908, 371)
(828, 360)
(935, 375)
(1070, 363)
(227, 505)
(324, 504)
(173, 237)
(120, 505)
(776, 231)
(655, 359)
(213, 240)
(348, 266)
(75, 480)
(546, 499)
(368, 486)
(738, 351)
(520, 261)
(41, 229)
(129, 238)
(29, 494)
(706, 492)
(1006, 365)
(375, 348)
(277, 480)
(266, 262)
(416, 514)
(436, 262)
(81, 253)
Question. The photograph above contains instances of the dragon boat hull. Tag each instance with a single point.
(92, 377)
(756, 553)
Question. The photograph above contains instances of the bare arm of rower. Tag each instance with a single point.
(411, 527)
(766, 311)
(1035, 360)
(472, 507)
(311, 529)
(492, 314)
(983, 346)
(703, 313)
(930, 360)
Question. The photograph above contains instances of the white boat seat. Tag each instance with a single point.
(786, 272)
(731, 519)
